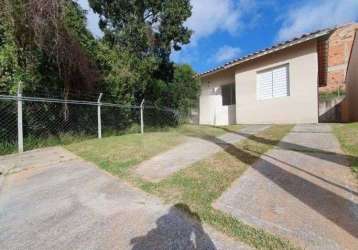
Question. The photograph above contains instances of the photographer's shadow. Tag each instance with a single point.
(178, 229)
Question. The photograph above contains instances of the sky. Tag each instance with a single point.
(229, 29)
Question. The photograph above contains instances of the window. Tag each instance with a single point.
(228, 94)
(273, 83)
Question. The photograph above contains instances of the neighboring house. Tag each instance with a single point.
(281, 84)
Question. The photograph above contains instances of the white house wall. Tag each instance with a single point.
(212, 112)
(301, 106)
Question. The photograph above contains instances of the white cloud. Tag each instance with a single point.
(227, 53)
(92, 19)
(210, 16)
(317, 15)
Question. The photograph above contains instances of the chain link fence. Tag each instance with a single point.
(51, 121)
(8, 126)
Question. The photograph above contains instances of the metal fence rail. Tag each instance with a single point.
(27, 120)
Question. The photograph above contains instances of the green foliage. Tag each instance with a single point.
(185, 89)
(32, 142)
(144, 27)
(28, 55)
(331, 95)
(11, 71)
(124, 75)
(139, 38)
(131, 62)
(48, 49)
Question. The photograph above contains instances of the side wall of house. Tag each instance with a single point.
(212, 112)
(352, 83)
(301, 106)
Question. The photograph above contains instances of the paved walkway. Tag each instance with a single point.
(302, 190)
(194, 149)
(55, 200)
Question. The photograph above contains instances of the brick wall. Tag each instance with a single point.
(334, 53)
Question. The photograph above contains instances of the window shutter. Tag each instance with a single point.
(273, 83)
(264, 85)
(280, 81)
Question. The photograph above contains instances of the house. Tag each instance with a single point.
(283, 83)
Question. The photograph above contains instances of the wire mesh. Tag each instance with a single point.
(158, 118)
(120, 120)
(51, 121)
(44, 119)
(8, 126)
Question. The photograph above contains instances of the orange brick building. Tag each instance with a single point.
(334, 52)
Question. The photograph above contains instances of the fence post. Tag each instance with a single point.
(99, 116)
(20, 134)
(141, 117)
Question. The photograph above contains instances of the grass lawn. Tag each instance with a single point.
(196, 186)
(31, 142)
(117, 153)
(328, 96)
(347, 135)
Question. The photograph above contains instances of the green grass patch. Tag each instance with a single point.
(117, 154)
(331, 95)
(197, 186)
(347, 135)
(201, 184)
(32, 142)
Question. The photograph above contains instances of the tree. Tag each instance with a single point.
(143, 34)
(46, 46)
(144, 27)
(185, 89)
(51, 42)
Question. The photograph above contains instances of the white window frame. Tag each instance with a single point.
(260, 73)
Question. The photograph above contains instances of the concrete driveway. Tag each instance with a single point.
(51, 199)
(184, 155)
(303, 190)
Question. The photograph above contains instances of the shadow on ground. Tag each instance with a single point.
(335, 208)
(322, 154)
(175, 231)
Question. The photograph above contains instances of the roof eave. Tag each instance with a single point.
(266, 52)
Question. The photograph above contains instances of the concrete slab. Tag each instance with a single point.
(193, 150)
(311, 137)
(306, 196)
(34, 158)
(73, 205)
